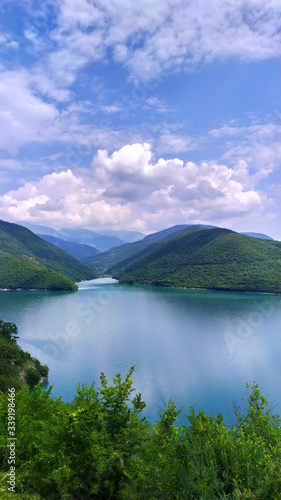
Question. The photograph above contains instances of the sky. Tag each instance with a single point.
(141, 115)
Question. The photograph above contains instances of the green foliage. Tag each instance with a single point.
(32, 377)
(9, 331)
(207, 258)
(43, 370)
(17, 366)
(207, 460)
(99, 447)
(9, 367)
(23, 254)
(76, 450)
(19, 272)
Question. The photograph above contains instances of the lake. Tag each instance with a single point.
(196, 347)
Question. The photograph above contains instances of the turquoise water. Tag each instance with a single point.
(196, 347)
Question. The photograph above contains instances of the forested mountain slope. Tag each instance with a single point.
(208, 258)
(23, 254)
(131, 251)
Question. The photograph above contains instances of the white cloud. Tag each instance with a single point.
(258, 145)
(131, 186)
(128, 189)
(10, 168)
(157, 105)
(148, 37)
(7, 41)
(112, 108)
(27, 118)
(161, 36)
(151, 37)
(60, 198)
(24, 116)
(11, 164)
(169, 141)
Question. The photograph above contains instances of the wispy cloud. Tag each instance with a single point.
(112, 108)
(156, 37)
(157, 105)
(7, 41)
(258, 145)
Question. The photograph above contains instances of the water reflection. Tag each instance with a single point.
(196, 347)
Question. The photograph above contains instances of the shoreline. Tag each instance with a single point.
(142, 284)
(34, 290)
(198, 288)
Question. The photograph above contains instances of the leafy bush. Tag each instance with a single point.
(9, 331)
(14, 362)
(32, 377)
(43, 370)
(99, 447)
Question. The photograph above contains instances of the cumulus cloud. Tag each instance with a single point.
(129, 189)
(136, 185)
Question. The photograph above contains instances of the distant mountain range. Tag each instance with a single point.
(101, 241)
(77, 250)
(196, 257)
(182, 256)
(125, 235)
(27, 261)
(259, 235)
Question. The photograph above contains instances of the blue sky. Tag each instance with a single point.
(141, 115)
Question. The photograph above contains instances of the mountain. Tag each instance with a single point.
(27, 262)
(38, 229)
(77, 250)
(259, 235)
(23, 272)
(80, 235)
(77, 235)
(131, 251)
(207, 258)
(126, 236)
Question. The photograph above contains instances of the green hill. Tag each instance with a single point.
(207, 258)
(21, 272)
(27, 261)
(131, 251)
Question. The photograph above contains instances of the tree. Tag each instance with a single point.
(9, 331)
(32, 377)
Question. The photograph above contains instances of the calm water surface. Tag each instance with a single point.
(196, 347)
